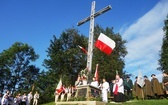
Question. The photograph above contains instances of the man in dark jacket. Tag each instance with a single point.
(128, 85)
(111, 87)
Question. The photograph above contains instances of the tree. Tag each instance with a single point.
(65, 58)
(18, 73)
(163, 61)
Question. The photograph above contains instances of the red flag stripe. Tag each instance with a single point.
(103, 47)
(105, 44)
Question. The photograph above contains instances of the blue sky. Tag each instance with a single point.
(139, 22)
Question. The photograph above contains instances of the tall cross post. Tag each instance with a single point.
(91, 31)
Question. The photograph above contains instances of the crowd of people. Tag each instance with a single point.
(152, 89)
(121, 89)
(8, 99)
(118, 89)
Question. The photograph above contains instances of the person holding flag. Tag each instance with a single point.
(138, 90)
(58, 90)
(118, 89)
(95, 82)
(140, 82)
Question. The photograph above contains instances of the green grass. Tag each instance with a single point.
(51, 103)
(144, 102)
(135, 102)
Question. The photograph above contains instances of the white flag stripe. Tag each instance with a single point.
(59, 84)
(106, 40)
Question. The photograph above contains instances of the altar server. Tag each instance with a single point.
(105, 89)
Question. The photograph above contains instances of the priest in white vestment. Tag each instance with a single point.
(105, 89)
(118, 89)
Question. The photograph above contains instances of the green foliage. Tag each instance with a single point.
(65, 58)
(163, 61)
(95, 99)
(16, 72)
(78, 99)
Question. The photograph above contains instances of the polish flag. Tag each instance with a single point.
(83, 49)
(59, 88)
(105, 44)
(96, 73)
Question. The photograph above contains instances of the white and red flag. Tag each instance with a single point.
(83, 49)
(105, 44)
(59, 88)
(96, 75)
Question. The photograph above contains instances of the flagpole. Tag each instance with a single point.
(116, 72)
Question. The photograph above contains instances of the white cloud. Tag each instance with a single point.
(144, 40)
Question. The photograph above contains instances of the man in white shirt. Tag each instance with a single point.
(105, 89)
(36, 97)
(29, 97)
(24, 99)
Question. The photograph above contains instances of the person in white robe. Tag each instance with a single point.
(105, 89)
(118, 89)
